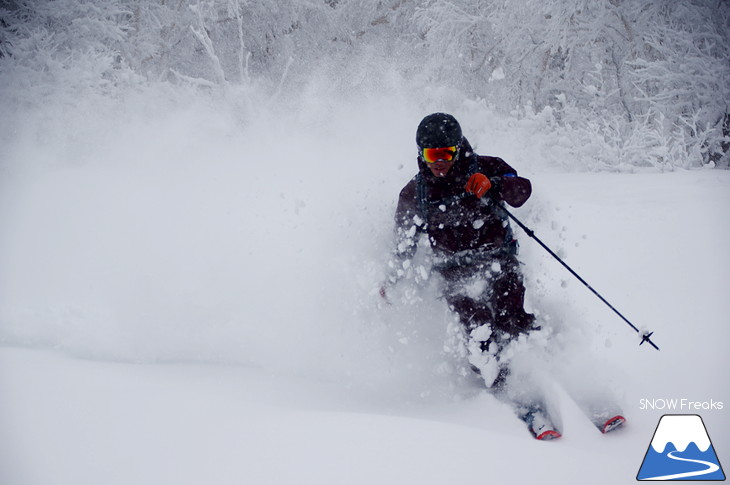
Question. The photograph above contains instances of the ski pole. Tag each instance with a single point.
(645, 336)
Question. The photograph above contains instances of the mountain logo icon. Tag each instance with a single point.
(681, 450)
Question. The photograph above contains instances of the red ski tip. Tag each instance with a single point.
(548, 435)
(612, 423)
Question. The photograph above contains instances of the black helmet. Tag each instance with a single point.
(438, 130)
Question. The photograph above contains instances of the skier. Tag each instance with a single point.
(452, 200)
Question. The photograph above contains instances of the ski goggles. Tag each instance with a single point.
(446, 154)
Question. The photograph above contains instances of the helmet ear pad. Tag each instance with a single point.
(438, 130)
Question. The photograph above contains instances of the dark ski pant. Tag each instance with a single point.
(489, 292)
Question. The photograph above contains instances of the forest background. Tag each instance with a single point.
(617, 84)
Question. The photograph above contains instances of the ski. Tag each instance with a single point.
(605, 417)
(603, 412)
(610, 424)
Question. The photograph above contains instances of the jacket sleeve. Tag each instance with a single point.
(408, 226)
(508, 186)
(514, 190)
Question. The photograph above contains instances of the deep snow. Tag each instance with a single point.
(187, 296)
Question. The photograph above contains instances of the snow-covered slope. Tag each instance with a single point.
(187, 297)
(69, 421)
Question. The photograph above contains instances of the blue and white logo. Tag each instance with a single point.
(681, 450)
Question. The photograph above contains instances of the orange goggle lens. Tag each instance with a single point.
(432, 155)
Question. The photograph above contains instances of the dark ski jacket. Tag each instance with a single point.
(458, 223)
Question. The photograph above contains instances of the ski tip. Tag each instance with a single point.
(612, 424)
(548, 435)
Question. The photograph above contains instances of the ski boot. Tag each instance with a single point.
(540, 425)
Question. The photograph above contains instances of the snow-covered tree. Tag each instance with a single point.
(51, 45)
(649, 80)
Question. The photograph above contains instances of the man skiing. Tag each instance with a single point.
(453, 200)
